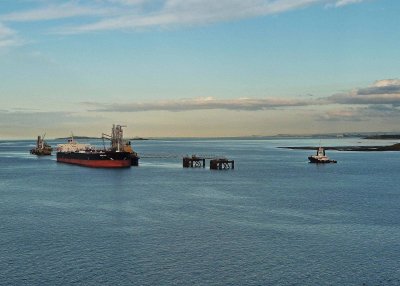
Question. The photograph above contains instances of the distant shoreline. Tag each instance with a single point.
(360, 135)
(394, 147)
(76, 137)
(383, 137)
(95, 138)
(366, 135)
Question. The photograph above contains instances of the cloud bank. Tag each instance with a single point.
(381, 92)
(385, 91)
(377, 104)
(379, 100)
(205, 103)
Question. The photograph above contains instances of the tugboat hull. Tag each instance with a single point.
(320, 161)
(41, 152)
(42, 148)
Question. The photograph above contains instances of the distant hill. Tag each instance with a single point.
(77, 137)
(384, 137)
(95, 138)
(394, 147)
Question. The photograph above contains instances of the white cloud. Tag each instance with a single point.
(128, 2)
(8, 37)
(341, 3)
(386, 82)
(192, 12)
(134, 14)
(54, 12)
(5, 31)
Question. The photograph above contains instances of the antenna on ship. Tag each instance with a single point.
(41, 141)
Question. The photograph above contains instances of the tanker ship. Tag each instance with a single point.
(119, 155)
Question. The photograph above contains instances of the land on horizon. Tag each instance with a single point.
(362, 135)
(394, 147)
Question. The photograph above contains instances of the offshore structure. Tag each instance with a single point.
(222, 164)
(193, 162)
(215, 163)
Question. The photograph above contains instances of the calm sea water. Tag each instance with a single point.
(274, 220)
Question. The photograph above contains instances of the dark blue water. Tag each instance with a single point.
(274, 220)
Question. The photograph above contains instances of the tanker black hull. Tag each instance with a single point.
(106, 159)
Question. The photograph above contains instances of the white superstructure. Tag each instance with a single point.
(73, 146)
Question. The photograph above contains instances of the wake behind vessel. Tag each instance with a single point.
(117, 156)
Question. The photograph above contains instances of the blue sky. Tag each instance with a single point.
(198, 67)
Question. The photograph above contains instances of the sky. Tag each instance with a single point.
(198, 68)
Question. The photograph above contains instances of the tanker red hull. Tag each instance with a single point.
(108, 159)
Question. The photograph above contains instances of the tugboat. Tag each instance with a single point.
(42, 148)
(320, 157)
(88, 156)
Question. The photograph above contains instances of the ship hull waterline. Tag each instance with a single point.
(320, 161)
(95, 160)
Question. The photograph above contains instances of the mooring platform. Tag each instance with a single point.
(222, 164)
(193, 162)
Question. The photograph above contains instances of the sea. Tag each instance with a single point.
(274, 220)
